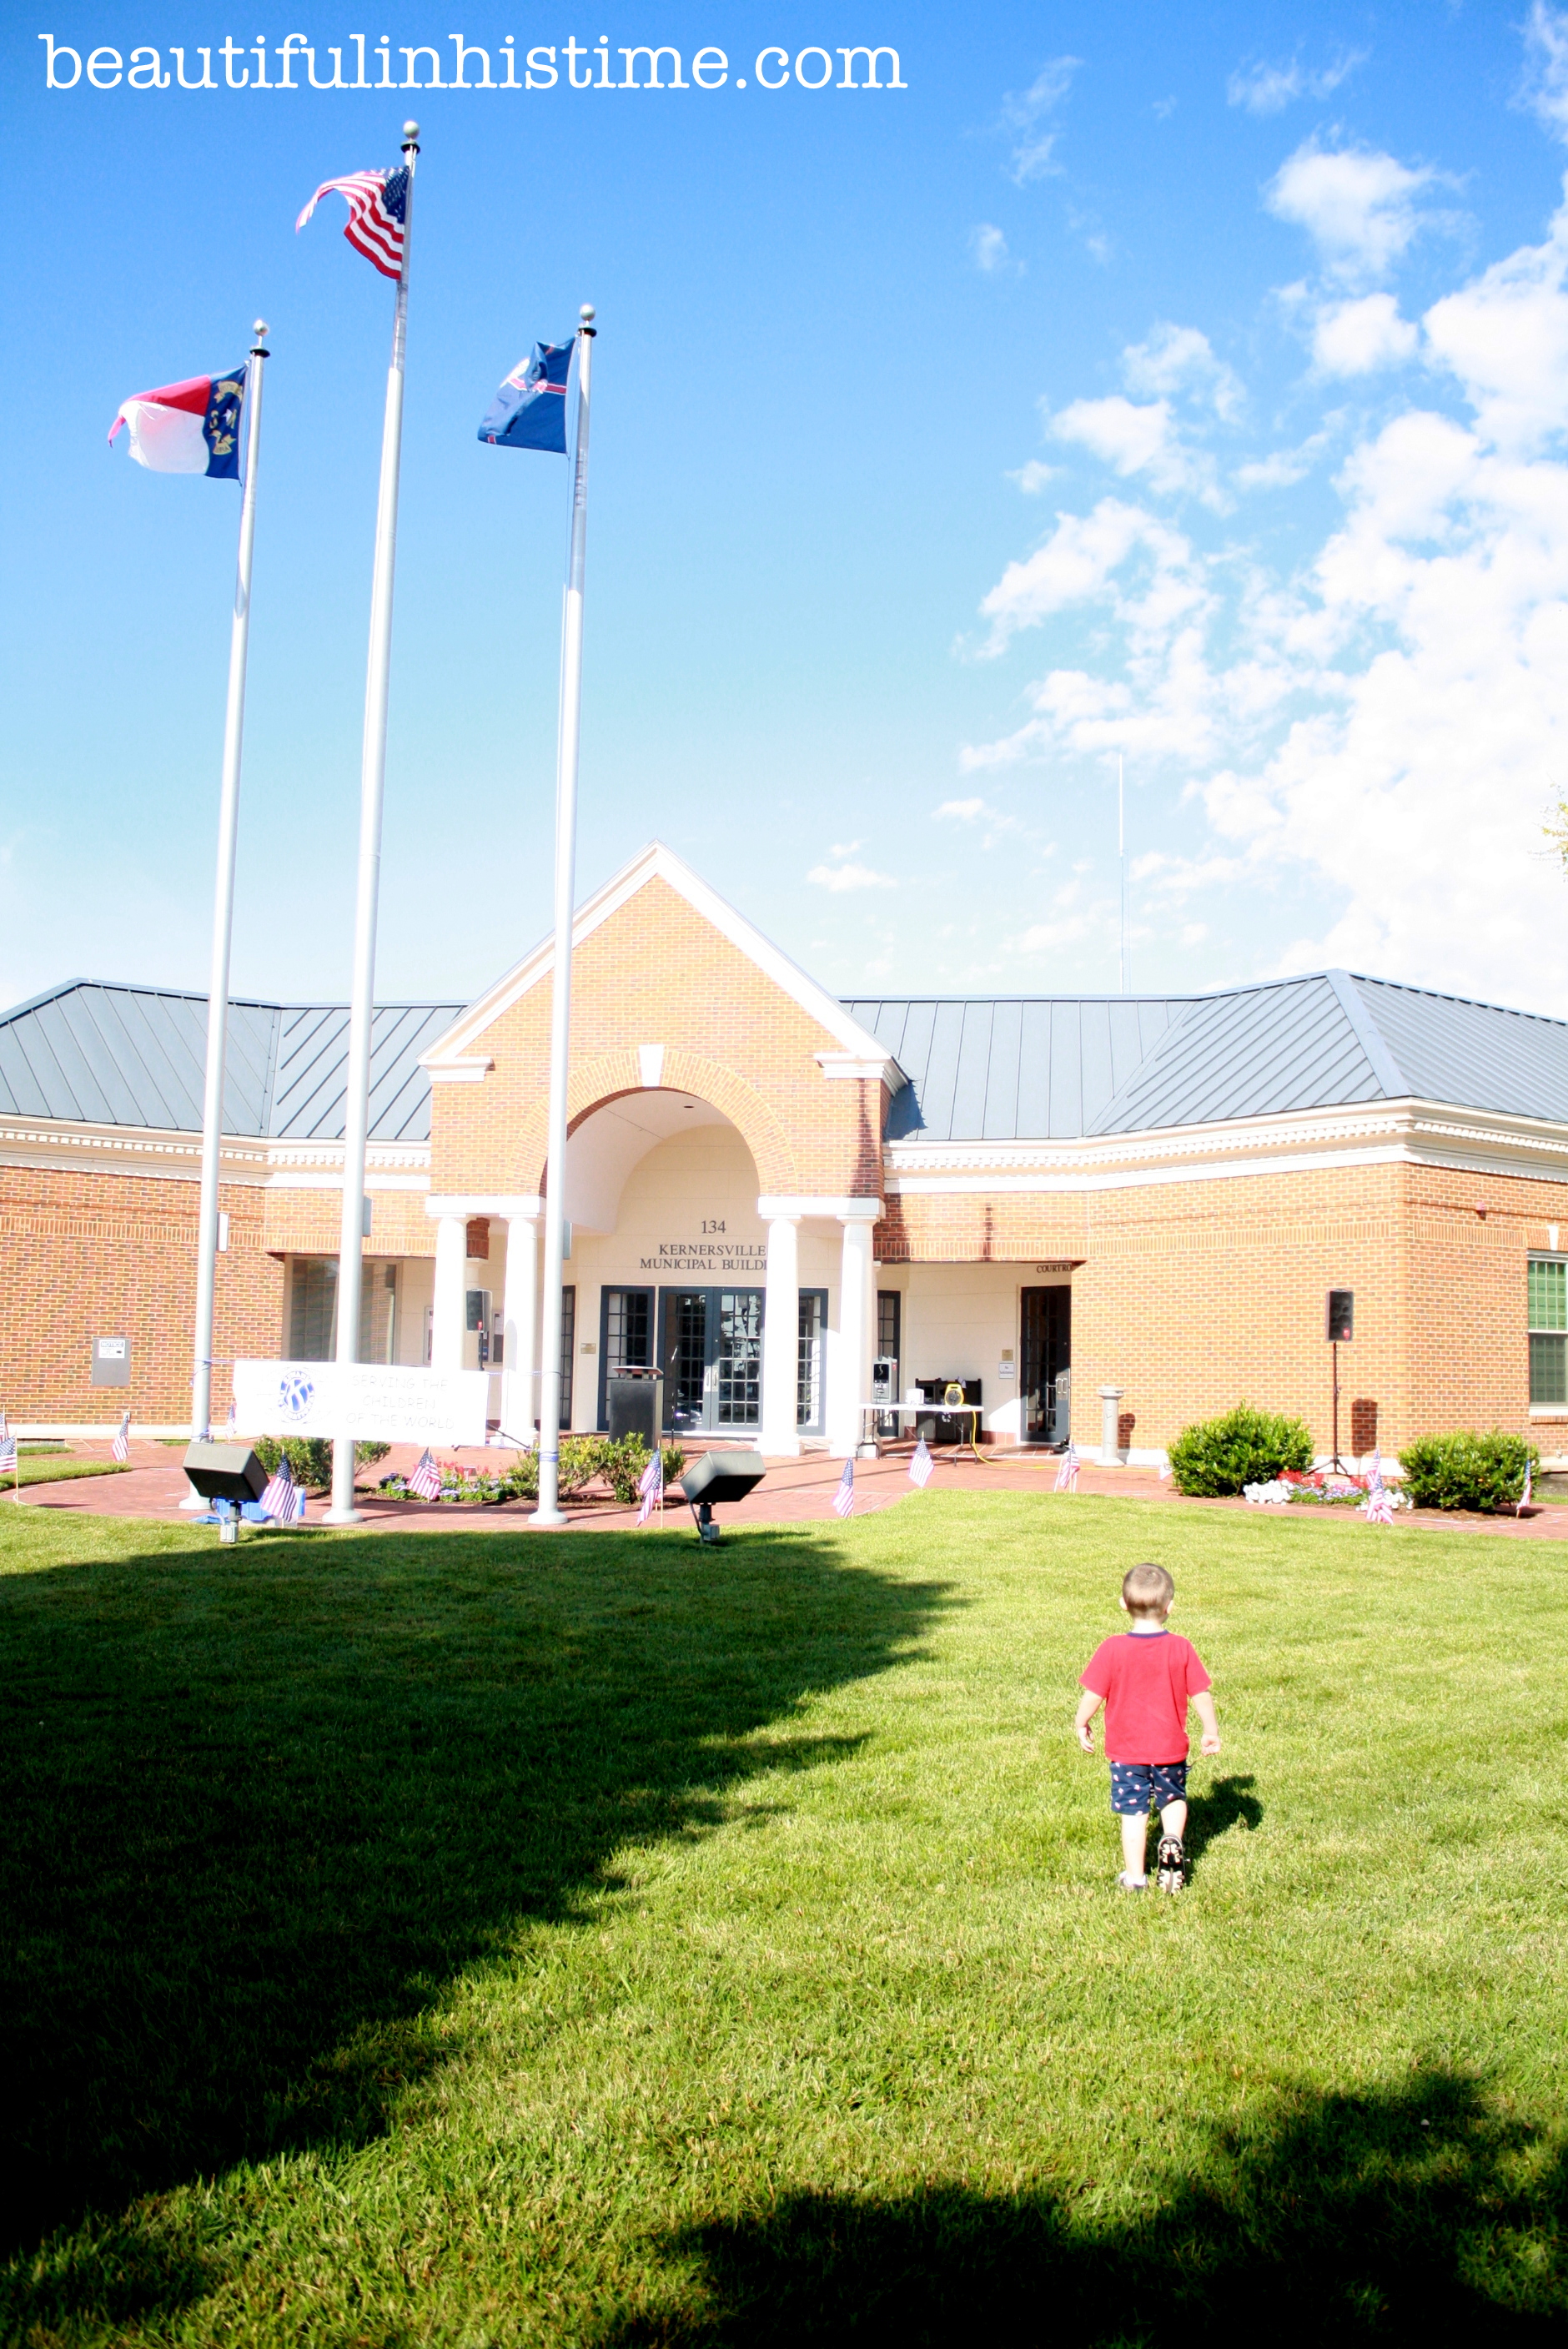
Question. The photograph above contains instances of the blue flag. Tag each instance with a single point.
(529, 412)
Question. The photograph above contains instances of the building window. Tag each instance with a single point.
(1549, 1330)
(809, 1371)
(312, 1308)
(568, 1340)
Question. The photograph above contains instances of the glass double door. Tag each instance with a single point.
(713, 1358)
(708, 1342)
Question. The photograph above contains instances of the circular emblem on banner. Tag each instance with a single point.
(295, 1397)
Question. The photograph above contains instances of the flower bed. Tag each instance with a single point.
(1319, 1488)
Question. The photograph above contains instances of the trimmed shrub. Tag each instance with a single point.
(1217, 1456)
(309, 1457)
(585, 1458)
(1468, 1470)
(624, 1462)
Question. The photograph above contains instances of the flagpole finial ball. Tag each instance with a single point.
(410, 130)
(259, 327)
(586, 314)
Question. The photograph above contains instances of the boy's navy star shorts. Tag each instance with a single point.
(1135, 1787)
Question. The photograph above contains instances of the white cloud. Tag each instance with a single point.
(1079, 561)
(962, 811)
(1358, 206)
(1283, 467)
(1181, 358)
(840, 877)
(1545, 88)
(845, 847)
(1387, 725)
(1032, 157)
(989, 247)
(1135, 436)
(1506, 339)
(1032, 478)
(1354, 338)
(1265, 88)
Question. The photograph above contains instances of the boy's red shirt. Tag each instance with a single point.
(1146, 1679)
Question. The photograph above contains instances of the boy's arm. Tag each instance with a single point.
(1089, 1705)
(1203, 1706)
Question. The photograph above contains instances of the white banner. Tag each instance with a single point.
(370, 1399)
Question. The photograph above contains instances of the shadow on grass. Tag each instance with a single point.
(1228, 1803)
(1413, 2216)
(259, 1805)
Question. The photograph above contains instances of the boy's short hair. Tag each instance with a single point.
(1147, 1590)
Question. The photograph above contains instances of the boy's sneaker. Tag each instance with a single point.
(1126, 1883)
(1173, 1864)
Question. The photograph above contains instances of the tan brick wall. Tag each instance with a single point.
(94, 1255)
(310, 1223)
(656, 972)
(1193, 1296)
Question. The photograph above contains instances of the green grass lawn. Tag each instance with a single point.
(478, 1938)
(53, 1468)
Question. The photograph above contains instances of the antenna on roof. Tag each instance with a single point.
(1121, 855)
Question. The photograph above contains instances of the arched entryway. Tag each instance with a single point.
(757, 1310)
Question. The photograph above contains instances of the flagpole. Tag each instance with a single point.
(549, 1512)
(372, 788)
(224, 917)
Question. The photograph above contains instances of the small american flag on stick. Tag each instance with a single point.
(1523, 1500)
(844, 1498)
(120, 1446)
(377, 210)
(921, 1467)
(426, 1479)
(1067, 1473)
(651, 1485)
(7, 1450)
(278, 1499)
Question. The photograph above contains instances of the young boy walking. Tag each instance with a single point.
(1145, 1677)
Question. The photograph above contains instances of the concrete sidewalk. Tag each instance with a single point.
(794, 1492)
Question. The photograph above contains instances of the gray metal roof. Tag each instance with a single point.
(1013, 1069)
(1010, 1070)
(1052, 1068)
(135, 1056)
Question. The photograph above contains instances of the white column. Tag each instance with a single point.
(1109, 1428)
(520, 1335)
(851, 1389)
(451, 1265)
(782, 1338)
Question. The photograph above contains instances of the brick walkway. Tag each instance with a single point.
(794, 1492)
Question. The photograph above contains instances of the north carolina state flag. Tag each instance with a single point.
(188, 428)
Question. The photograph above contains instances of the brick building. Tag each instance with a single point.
(771, 1191)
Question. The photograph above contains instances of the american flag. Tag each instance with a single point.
(651, 1485)
(921, 1467)
(1376, 1508)
(278, 1500)
(844, 1498)
(1067, 1473)
(377, 208)
(7, 1448)
(1524, 1502)
(1164, 1472)
(426, 1479)
(120, 1447)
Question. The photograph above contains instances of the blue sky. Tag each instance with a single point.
(1181, 384)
